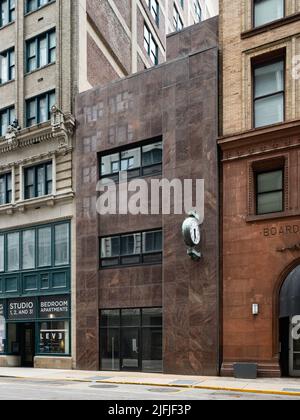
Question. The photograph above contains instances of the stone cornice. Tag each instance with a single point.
(60, 128)
(260, 141)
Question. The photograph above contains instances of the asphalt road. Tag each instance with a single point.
(18, 389)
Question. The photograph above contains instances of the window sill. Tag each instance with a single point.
(121, 267)
(39, 69)
(7, 83)
(272, 216)
(39, 8)
(272, 25)
(7, 25)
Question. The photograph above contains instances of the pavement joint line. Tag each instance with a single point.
(201, 387)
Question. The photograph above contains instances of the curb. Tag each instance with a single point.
(201, 387)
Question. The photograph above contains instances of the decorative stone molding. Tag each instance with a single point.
(61, 127)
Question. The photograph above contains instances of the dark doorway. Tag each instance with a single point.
(27, 344)
(284, 329)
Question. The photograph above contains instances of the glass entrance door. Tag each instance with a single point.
(27, 335)
(294, 350)
(130, 349)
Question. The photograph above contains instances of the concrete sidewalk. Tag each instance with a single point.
(287, 386)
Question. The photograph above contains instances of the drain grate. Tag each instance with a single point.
(103, 386)
(164, 390)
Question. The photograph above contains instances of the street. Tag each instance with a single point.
(24, 389)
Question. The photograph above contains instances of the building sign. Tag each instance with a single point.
(21, 309)
(52, 307)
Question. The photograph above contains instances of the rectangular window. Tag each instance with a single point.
(131, 339)
(150, 45)
(154, 9)
(7, 66)
(38, 109)
(13, 251)
(178, 23)
(54, 337)
(140, 161)
(38, 181)
(132, 249)
(269, 93)
(32, 5)
(7, 117)
(28, 248)
(5, 189)
(2, 239)
(7, 12)
(41, 51)
(61, 244)
(270, 192)
(266, 11)
(44, 247)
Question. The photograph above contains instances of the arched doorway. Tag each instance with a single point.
(289, 309)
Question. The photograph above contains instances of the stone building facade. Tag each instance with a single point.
(142, 303)
(260, 44)
(49, 51)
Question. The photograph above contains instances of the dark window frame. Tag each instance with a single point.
(38, 7)
(153, 57)
(37, 100)
(47, 182)
(8, 111)
(141, 257)
(253, 15)
(11, 10)
(7, 177)
(258, 194)
(279, 56)
(141, 170)
(37, 56)
(10, 67)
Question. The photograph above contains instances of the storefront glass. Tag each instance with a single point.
(131, 339)
(54, 337)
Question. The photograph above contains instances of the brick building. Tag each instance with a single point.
(142, 303)
(259, 43)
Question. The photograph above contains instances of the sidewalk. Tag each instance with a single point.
(286, 386)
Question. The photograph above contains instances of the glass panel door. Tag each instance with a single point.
(294, 354)
(130, 349)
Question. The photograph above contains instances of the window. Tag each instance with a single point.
(131, 339)
(7, 12)
(7, 117)
(61, 233)
(28, 247)
(140, 161)
(54, 337)
(132, 249)
(13, 251)
(198, 11)
(32, 5)
(7, 66)
(178, 23)
(266, 11)
(150, 45)
(154, 9)
(44, 247)
(269, 93)
(270, 192)
(38, 181)
(5, 189)
(39, 109)
(41, 51)
(38, 247)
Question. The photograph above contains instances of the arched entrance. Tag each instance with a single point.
(289, 309)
